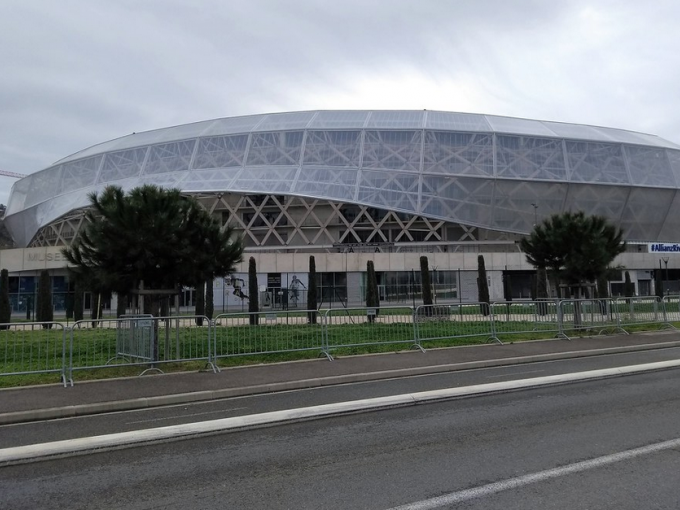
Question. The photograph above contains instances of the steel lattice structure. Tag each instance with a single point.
(318, 179)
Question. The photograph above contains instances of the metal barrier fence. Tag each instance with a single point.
(526, 317)
(33, 348)
(354, 327)
(98, 344)
(445, 322)
(148, 342)
(253, 333)
(635, 311)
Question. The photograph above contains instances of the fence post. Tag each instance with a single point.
(325, 349)
(416, 327)
(67, 375)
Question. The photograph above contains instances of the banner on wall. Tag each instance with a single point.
(663, 247)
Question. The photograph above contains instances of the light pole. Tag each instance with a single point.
(665, 261)
(535, 206)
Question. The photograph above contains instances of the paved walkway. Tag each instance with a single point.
(53, 401)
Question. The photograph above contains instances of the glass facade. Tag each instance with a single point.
(477, 170)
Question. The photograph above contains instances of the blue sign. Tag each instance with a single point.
(664, 247)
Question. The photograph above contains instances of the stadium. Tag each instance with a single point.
(388, 186)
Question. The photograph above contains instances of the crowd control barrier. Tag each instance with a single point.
(449, 321)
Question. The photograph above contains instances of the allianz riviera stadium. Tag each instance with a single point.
(371, 182)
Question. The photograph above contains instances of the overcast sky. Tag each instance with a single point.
(78, 72)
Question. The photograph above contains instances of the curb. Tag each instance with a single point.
(36, 452)
(203, 396)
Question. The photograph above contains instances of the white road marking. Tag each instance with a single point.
(521, 481)
(511, 374)
(220, 411)
(70, 446)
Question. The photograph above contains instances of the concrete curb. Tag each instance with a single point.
(203, 396)
(43, 451)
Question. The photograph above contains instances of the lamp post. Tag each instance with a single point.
(665, 261)
(535, 206)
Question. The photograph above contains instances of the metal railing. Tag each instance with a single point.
(447, 322)
(355, 327)
(257, 333)
(150, 342)
(33, 348)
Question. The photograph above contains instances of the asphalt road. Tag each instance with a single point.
(54, 430)
(479, 449)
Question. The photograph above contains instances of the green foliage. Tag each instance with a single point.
(253, 292)
(200, 303)
(603, 286)
(43, 309)
(577, 248)
(482, 286)
(209, 299)
(426, 281)
(5, 305)
(312, 298)
(152, 235)
(372, 295)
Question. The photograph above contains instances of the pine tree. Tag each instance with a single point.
(426, 281)
(5, 306)
(43, 310)
(209, 299)
(253, 292)
(372, 295)
(482, 286)
(312, 292)
(121, 304)
(78, 304)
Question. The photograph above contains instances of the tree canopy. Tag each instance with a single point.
(153, 235)
(576, 247)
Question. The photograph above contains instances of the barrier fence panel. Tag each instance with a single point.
(253, 333)
(526, 317)
(33, 348)
(446, 322)
(138, 341)
(672, 307)
(354, 327)
(588, 314)
(641, 310)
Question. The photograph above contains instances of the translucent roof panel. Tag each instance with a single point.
(458, 153)
(332, 183)
(294, 120)
(221, 151)
(530, 158)
(396, 150)
(333, 148)
(339, 120)
(396, 119)
(462, 199)
(477, 169)
(649, 166)
(456, 121)
(671, 226)
(518, 126)
(645, 212)
(577, 132)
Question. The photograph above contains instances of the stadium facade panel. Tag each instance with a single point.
(438, 173)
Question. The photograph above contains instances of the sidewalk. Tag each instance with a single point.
(54, 401)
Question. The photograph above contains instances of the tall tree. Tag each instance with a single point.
(43, 310)
(312, 298)
(78, 304)
(151, 235)
(200, 303)
(5, 305)
(372, 295)
(576, 248)
(426, 282)
(483, 286)
(121, 304)
(628, 286)
(253, 292)
(209, 299)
